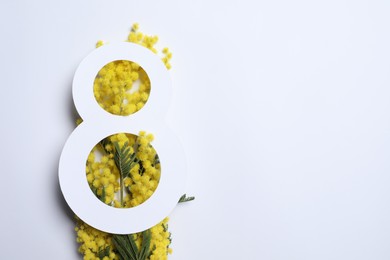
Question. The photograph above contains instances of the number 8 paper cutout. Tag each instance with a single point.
(98, 124)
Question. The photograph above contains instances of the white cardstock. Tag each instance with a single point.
(98, 124)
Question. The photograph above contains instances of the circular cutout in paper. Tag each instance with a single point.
(123, 170)
(122, 87)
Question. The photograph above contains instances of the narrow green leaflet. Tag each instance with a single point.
(103, 143)
(103, 197)
(133, 246)
(184, 198)
(122, 247)
(104, 252)
(156, 160)
(145, 248)
(127, 248)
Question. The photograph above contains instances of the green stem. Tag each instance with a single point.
(122, 98)
(122, 189)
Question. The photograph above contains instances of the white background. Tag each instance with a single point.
(282, 108)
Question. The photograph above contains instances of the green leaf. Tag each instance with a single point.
(94, 190)
(104, 252)
(103, 197)
(156, 160)
(141, 168)
(122, 247)
(133, 246)
(107, 251)
(184, 198)
(127, 247)
(103, 144)
(145, 248)
(124, 160)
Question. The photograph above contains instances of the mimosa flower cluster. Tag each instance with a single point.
(98, 245)
(122, 88)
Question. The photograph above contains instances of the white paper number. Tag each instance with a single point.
(98, 124)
